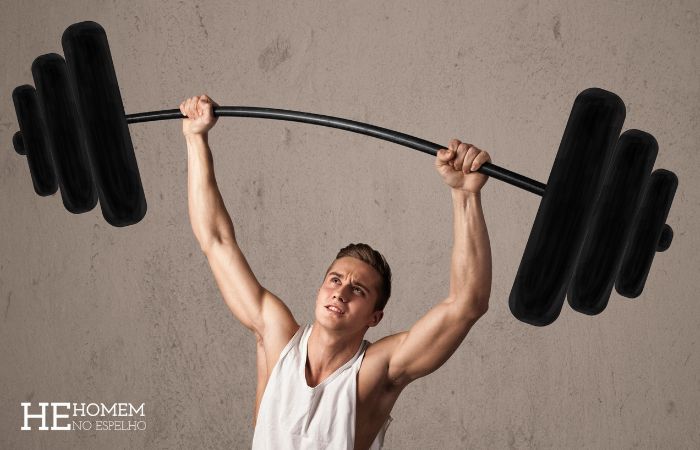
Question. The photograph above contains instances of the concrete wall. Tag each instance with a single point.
(92, 313)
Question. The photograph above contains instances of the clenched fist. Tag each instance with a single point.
(200, 115)
(458, 164)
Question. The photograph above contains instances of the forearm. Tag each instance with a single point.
(470, 273)
(208, 216)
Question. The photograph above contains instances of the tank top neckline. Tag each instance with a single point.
(329, 378)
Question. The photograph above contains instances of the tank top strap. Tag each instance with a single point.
(293, 342)
(360, 356)
(303, 343)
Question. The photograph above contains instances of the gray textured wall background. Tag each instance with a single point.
(91, 313)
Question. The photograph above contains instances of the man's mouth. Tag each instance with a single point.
(334, 309)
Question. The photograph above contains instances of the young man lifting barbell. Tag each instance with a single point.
(323, 385)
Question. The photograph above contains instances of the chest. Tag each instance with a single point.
(357, 398)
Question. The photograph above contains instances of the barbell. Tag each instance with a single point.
(600, 222)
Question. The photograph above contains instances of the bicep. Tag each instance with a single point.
(428, 344)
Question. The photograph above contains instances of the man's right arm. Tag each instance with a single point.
(252, 304)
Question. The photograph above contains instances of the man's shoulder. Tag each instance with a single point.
(378, 356)
(376, 392)
(386, 345)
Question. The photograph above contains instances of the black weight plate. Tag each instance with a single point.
(566, 208)
(18, 143)
(665, 239)
(612, 221)
(107, 134)
(34, 140)
(64, 132)
(649, 227)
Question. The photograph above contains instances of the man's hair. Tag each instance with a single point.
(367, 254)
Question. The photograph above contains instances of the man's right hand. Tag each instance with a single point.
(200, 115)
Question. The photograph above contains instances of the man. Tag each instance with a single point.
(323, 386)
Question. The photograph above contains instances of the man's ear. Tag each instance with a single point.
(376, 318)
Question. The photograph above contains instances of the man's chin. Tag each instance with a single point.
(329, 321)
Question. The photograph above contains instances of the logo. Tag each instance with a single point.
(66, 416)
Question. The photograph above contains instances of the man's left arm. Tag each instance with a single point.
(436, 335)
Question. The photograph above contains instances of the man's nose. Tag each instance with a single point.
(340, 293)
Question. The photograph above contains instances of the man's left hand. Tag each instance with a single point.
(458, 165)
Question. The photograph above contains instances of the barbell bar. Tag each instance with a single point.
(492, 170)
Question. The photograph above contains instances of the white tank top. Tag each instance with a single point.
(294, 415)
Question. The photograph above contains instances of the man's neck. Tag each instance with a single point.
(326, 352)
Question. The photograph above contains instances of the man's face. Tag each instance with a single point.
(352, 287)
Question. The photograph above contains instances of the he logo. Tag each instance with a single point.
(42, 416)
(98, 411)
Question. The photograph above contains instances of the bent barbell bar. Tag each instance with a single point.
(405, 140)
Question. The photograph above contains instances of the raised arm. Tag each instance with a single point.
(436, 335)
(251, 304)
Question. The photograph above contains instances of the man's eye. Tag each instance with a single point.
(358, 290)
